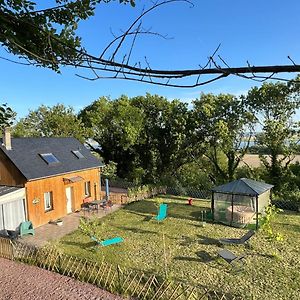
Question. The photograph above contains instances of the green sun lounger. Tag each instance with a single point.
(108, 242)
(162, 213)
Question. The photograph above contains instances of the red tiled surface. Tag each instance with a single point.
(22, 282)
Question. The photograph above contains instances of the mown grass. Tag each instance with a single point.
(271, 270)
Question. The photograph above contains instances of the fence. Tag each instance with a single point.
(284, 204)
(200, 193)
(114, 279)
(142, 192)
(6, 248)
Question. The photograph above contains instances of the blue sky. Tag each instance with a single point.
(261, 32)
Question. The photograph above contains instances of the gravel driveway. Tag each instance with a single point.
(19, 281)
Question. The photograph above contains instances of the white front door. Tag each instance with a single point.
(69, 191)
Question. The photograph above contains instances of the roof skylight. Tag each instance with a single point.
(49, 158)
(78, 154)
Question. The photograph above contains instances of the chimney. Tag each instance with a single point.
(6, 138)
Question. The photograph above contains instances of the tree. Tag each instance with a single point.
(116, 126)
(146, 136)
(164, 145)
(224, 127)
(47, 37)
(55, 121)
(7, 116)
(276, 103)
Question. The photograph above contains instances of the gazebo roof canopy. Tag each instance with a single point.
(243, 186)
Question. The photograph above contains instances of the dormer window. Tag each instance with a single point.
(49, 158)
(78, 154)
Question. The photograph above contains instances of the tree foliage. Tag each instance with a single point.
(223, 122)
(276, 104)
(45, 36)
(55, 121)
(164, 145)
(7, 116)
(144, 135)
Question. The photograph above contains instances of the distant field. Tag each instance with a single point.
(253, 160)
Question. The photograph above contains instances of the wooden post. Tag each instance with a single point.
(256, 212)
(231, 210)
(213, 206)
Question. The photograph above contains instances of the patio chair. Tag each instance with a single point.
(244, 239)
(229, 257)
(86, 208)
(26, 227)
(162, 213)
(106, 204)
(108, 242)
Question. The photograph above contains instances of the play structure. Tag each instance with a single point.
(108, 242)
(240, 202)
(162, 212)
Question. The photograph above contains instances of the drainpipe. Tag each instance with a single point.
(106, 189)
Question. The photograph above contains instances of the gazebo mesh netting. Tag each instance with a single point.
(240, 202)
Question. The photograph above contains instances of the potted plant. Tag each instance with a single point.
(59, 222)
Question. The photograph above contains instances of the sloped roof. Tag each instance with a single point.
(26, 156)
(4, 190)
(244, 186)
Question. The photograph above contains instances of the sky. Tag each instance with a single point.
(261, 32)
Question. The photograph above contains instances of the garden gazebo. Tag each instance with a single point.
(240, 202)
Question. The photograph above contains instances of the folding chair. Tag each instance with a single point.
(230, 257)
(244, 239)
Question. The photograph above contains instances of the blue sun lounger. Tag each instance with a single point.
(162, 213)
(108, 242)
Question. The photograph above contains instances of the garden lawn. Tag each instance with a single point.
(271, 270)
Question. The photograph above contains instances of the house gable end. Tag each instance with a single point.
(9, 174)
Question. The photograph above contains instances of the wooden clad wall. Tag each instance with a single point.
(35, 195)
(9, 174)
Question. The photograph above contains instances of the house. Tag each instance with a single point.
(57, 174)
(12, 207)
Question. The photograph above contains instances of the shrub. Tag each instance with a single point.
(266, 223)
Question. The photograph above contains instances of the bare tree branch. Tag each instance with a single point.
(113, 68)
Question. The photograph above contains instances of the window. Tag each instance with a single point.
(87, 189)
(49, 158)
(48, 201)
(78, 154)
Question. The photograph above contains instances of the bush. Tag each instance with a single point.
(267, 220)
(145, 191)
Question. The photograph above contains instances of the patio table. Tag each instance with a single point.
(96, 204)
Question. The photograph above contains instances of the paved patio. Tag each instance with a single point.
(50, 232)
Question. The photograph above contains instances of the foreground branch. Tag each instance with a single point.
(63, 49)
